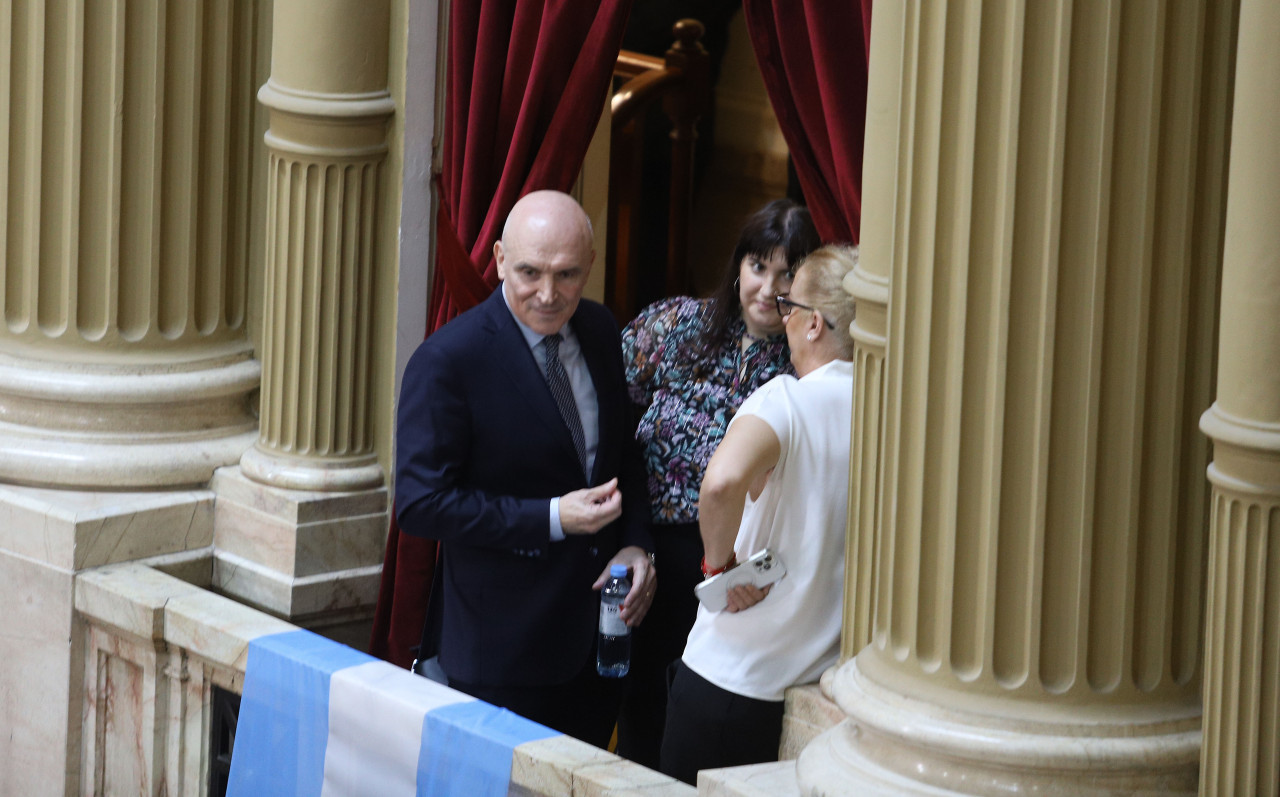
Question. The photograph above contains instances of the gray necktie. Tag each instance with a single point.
(558, 381)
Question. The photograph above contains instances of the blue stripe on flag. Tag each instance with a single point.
(284, 714)
(467, 749)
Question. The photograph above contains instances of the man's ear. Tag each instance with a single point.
(499, 258)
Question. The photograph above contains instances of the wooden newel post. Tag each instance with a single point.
(684, 108)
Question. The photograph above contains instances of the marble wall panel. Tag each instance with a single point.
(38, 695)
(124, 695)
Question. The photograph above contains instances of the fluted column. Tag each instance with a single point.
(300, 526)
(869, 286)
(870, 291)
(329, 107)
(126, 149)
(1055, 241)
(1241, 753)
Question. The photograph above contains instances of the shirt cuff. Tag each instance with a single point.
(557, 531)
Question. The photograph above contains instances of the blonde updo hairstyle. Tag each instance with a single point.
(824, 271)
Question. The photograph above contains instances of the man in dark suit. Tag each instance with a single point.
(515, 448)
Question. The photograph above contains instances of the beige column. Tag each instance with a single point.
(869, 286)
(125, 185)
(329, 107)
(129, 144)
(1056, 210)
(1241, 753)
(299, 527)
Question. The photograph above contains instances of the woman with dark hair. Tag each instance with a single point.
(690, 364)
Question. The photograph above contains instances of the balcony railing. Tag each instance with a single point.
(157, 649)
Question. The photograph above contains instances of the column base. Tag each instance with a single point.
(896, 745)
(72, 425)
(297, 554)
(311, 474)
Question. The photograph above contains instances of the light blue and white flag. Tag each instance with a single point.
(320, 719)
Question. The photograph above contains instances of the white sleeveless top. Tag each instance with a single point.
(793, 635)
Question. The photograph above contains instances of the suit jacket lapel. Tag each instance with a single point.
(511, 349)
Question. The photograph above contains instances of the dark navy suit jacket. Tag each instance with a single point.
(481, 450)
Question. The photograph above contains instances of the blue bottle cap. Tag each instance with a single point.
(618, 571)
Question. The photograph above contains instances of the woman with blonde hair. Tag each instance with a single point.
(779, 480)
(690, 363)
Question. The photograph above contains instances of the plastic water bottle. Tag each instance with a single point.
(613, 653)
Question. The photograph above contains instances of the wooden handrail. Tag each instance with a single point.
(631, 64)
(637, 94)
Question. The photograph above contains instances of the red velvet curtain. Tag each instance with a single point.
(813, 58)
(527, 80)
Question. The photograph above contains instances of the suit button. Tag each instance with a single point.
(595, 551)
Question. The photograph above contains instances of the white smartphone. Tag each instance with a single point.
(762, 569)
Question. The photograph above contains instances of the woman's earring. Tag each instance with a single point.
(810, 336)
(737, 284)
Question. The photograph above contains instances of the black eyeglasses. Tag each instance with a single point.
(785, 306)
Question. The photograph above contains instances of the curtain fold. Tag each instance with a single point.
(526, 82)
(813, 59)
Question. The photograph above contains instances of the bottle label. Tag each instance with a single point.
(611, 623)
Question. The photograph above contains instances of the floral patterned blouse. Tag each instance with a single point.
(688, 404)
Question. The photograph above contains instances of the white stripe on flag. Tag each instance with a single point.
(375, 729)
(284, 714)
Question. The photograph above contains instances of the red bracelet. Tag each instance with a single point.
(708, 572)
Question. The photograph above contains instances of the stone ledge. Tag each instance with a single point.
(130, 598)
(566, 767)
(772, 779)
(808, 713)
(148, 604)
(78, 530)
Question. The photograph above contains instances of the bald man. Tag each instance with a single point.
(515, 448)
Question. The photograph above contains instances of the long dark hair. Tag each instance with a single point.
(780, 225)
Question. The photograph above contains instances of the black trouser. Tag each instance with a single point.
(709, 727)
(584, 708)
(659, 641)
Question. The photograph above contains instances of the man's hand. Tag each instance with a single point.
(587, 511)
(644, 580)
(744, 596)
